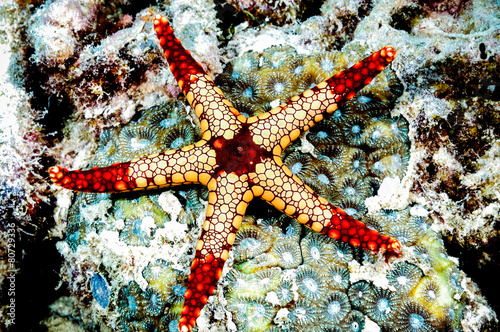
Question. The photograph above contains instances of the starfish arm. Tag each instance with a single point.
(207, 100)
(286, 192)
(228, 199)
(192, 164)
(301, 112)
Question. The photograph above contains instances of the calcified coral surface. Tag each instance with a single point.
(412, 155)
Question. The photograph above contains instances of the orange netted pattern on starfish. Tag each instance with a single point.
(238, 159)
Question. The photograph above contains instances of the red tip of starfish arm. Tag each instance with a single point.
(60, 176)
(347, 83)
(185, 328)
(107, 179)
(393, 249)
(387, 54)
(182, 64)
(205, 273)
(347, 229)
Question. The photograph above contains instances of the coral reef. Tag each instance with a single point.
(418, 146)
(310, 275)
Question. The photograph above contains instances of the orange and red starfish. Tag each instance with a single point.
(239, 158)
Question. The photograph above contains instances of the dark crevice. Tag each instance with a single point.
(137, 6)
(310, 8)
(228, 18)
(479, 265)
(406, 18)
(38, 264)
(55, 109)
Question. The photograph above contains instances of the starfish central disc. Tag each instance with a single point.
(238, 155)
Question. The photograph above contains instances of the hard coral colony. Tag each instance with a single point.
(239, 158)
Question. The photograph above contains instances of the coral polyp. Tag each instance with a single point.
(244, 64)
(354, 130)
(327, 63)
(334, 309)
(428, 291)
(162, 116)
(380, 135)
(369, 103)
(337, 277)
(302, 315)
(323, 134)
(284, 292)
(250, 242)
(276, 57)
(312, 285)
(354, 163)
(178, 136)
(299, 163)
(404, 276)
(316, 250)
(277, 85)
(322, 176)
(353, 206)
(131, 301)
(137, 140)
(248, 95)
(154, 302)
(351, 187)
(287, 253)
(359, 293)
(413, 317)
(354, 322)
(251, 315)
(381, 305)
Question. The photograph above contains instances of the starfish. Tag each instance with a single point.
(239, 158)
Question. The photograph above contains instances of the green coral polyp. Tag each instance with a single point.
(277, 57)
(404, 276)
(354, 162)
(359, 292)
(413, 317)
(251, 314)
(278, 85)
(178, 135)
(287, 254)
(302, 315)
(324, 134)
(137, 140)
(299, 164)
(381, 305)
(162, 116)
(131, 301)
(316, 250)
(354, 322)
(155, 303)
(337, 277)
(369, 102)
(250, 242)
(334, 309)
(312, 285)
(343, 253)
(353, 130)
